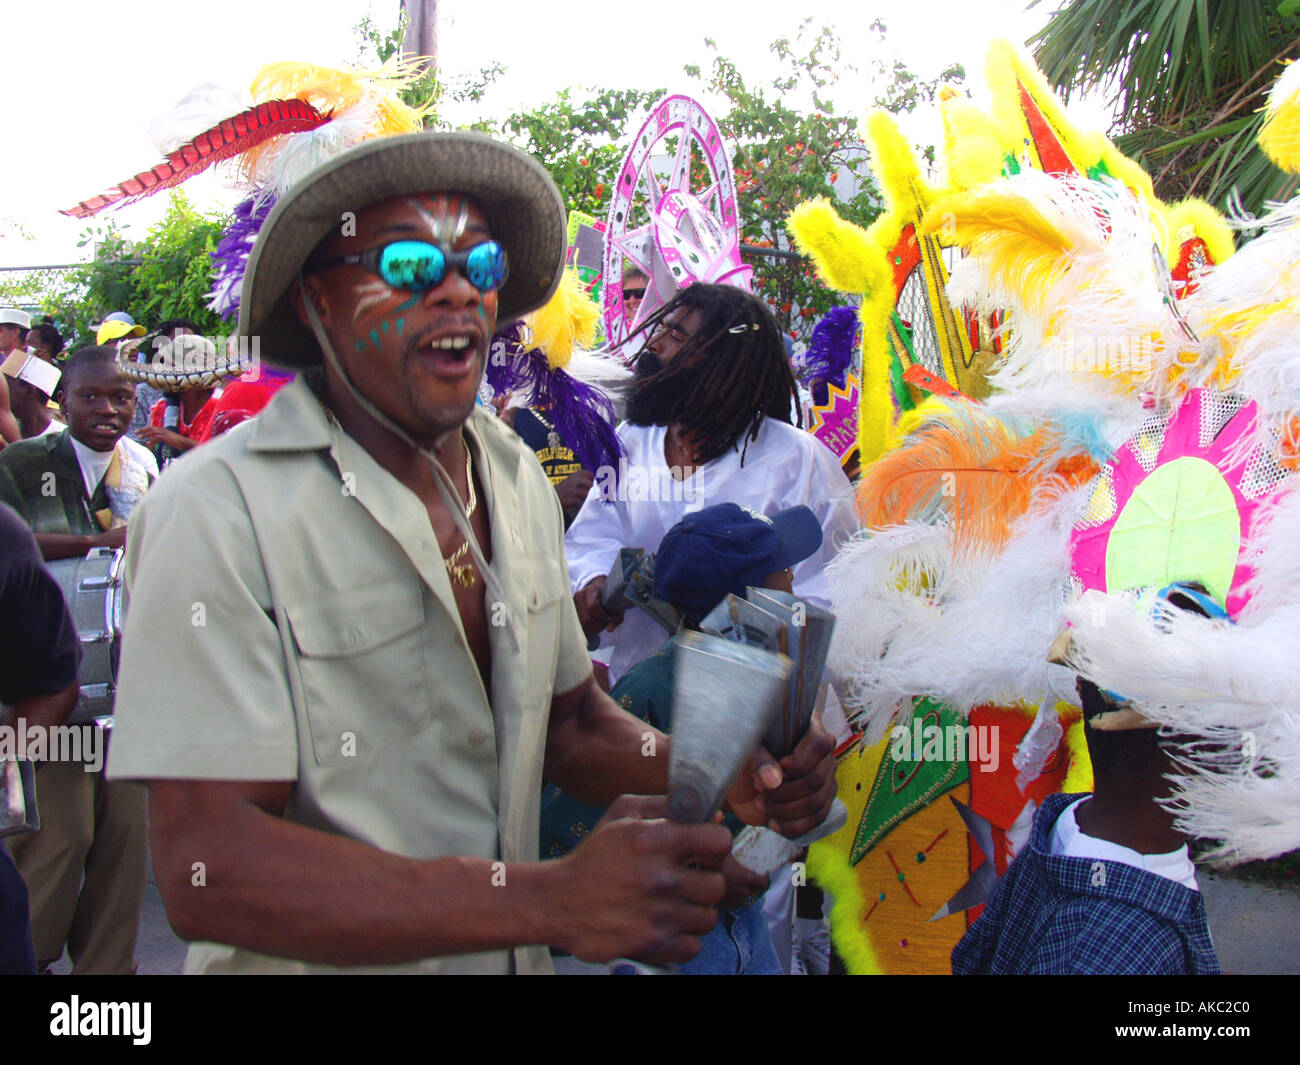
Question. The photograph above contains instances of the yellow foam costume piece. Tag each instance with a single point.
(851, 260)
(972, 148)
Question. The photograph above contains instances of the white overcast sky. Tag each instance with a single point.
(84, 80)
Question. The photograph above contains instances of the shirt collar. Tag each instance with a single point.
(294, 420)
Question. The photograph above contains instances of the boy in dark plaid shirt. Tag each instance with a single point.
(1105, 883)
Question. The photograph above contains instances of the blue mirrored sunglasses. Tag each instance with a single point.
(418, 266)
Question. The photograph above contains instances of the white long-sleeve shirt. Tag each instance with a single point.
(784, 467)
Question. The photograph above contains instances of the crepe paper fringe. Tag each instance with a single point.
(841, 252)
(1079, 776)
(1012, 76)
(972, 149)
(850, 259)
(828, 865)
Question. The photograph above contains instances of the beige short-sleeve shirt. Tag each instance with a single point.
(365, 694)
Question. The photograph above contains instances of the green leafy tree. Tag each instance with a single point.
(1187, 79)
(790, 145)
(579, 141)
(104, 284)
(787, 152)
(175, 271)
(427, 91)
(166, 275)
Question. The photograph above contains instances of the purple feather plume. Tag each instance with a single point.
(231, 256)
(582, 414)
(830, 352)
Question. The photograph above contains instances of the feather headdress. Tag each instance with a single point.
(530, 361)
(326, 110)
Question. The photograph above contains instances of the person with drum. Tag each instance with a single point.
(76, 490)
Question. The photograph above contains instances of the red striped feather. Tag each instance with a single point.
(232, 136)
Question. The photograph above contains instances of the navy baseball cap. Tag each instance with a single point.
(727, 548)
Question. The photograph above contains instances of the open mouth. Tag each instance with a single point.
(450, 355)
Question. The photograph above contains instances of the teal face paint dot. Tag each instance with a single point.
(374, 337)
(360, 346)
(384, 325)
(401, 324)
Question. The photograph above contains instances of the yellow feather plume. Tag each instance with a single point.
(568, 319)
(1280, 137)
(1025, 250)
(334, 92)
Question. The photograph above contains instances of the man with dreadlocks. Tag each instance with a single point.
(708, 421)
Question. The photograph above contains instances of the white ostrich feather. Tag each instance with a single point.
(1182, 669)
(1275, 583)
(912, 620)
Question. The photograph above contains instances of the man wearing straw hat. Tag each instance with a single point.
(366, 592)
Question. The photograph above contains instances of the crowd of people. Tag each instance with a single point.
(356, 701)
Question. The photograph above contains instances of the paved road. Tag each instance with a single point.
(1256, 928)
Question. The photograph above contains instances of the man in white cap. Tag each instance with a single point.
(366, 591)
(13, 329)
(32, 382)
(14, 325)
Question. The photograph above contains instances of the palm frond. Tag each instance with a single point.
(1186, 78)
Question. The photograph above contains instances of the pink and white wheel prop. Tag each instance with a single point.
(674, 233)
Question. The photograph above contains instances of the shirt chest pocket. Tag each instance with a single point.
(361, 660)
(545, 596)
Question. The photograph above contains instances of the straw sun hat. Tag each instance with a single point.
(524, 212)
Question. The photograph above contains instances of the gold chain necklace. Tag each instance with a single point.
(461, 574)
(464, 575)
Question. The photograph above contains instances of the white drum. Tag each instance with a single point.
(92, 588)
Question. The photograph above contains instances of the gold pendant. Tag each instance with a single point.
(462, 575)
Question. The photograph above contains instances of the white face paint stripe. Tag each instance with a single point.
(462, 219)
(369, 294)
(436, 224)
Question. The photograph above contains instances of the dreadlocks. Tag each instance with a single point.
(735, 365)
